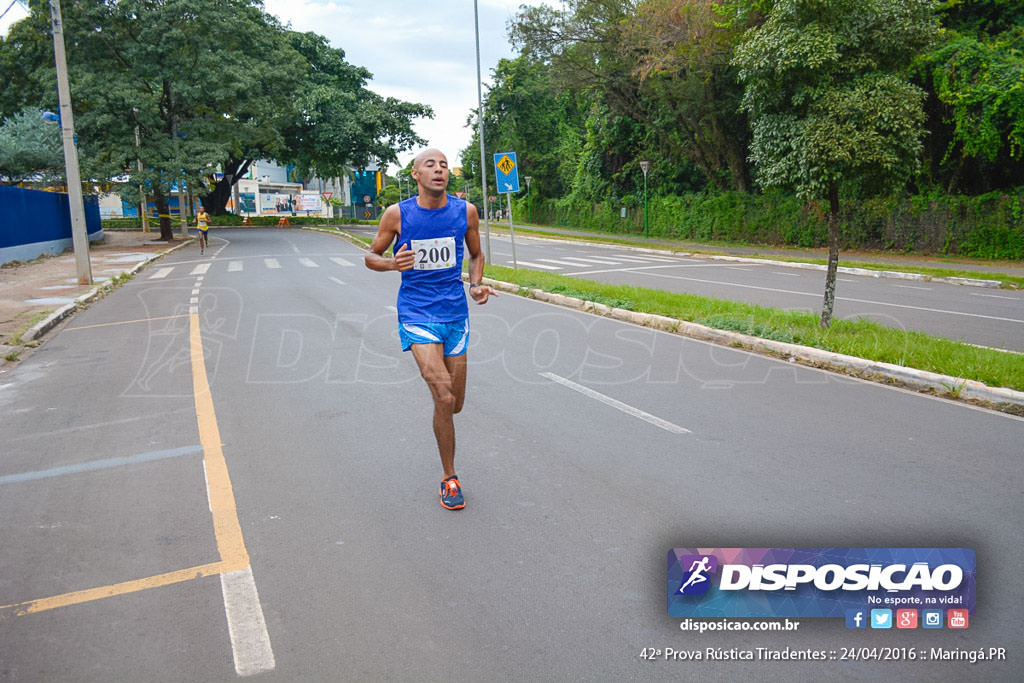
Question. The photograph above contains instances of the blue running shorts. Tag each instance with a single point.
(454, 336)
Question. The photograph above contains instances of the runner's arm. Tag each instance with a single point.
(479, 292)
(389, 228)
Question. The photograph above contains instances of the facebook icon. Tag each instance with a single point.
(855, 618)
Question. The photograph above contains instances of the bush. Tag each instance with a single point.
(988, 226)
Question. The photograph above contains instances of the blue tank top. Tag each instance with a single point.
(432, 291)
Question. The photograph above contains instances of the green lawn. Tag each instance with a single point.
(859, 338)
(1006, 281)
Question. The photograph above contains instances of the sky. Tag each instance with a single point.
(417, 51)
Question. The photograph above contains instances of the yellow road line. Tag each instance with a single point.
(218, 483)
(90, 594)
(227, 529)
(127, 322)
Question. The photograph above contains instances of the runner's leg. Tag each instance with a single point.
(434, 370)
(456, 366)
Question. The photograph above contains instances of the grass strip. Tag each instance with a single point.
(861, 338)
(1006, 281)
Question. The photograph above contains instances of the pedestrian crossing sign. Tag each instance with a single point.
(506, 172)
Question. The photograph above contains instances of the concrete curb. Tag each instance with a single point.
(51, 321)
(1000, 398)
(895, 274)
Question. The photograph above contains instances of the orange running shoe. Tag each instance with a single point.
(451, 494)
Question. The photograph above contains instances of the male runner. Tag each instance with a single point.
(203, 224)
(428, 232)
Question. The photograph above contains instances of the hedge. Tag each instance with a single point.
(989, 226)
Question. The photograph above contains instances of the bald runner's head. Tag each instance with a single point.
(430, 170)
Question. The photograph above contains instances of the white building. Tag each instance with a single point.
(266, 191)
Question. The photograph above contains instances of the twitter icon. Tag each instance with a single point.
(881, 618)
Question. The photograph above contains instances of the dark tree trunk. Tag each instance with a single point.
(833, 257)
(162, 210)
(216, 202)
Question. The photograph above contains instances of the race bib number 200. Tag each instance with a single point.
(434, 254)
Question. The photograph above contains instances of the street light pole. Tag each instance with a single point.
(645, 166)
(480, 134)
(79, 234)
(529, 198)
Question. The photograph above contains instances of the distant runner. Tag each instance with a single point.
(428, 232)
(203, 225)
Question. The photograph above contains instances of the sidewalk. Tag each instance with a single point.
(30, 292)
(794, 253)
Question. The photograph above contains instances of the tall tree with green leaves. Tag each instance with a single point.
(206, 84)
(683, 52)
(190, 76)
(830, 105)
(525, 114)
(580, 44)
(30, 147)
(329, 121)
(335, 122)
(975, 76)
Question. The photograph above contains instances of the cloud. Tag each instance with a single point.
(421, 52)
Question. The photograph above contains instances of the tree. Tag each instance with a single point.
(525, 114)
(683, 53)
(581, 47)
(328, 123)
(188, 75)
(831, 109)
(335, 122)
(657, 75)
(207, 84)
(30, 147)
(976, 104)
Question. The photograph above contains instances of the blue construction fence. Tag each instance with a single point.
(34, 222)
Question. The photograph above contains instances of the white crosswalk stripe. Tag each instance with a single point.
(200, 269)
(644, 259)
(588, 260)
(235, 266)
(538, 265)
(560, 263)
(341, 262)
(271, 263)
(308, 263)
(161, 273)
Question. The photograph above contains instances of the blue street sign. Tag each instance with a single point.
(506, 172)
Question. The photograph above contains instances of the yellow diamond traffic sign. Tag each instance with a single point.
(506, 164)
(506, 174)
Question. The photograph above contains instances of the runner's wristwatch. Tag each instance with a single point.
(474, 284)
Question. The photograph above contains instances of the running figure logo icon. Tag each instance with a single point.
(696, 580)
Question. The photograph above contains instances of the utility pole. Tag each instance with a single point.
(142, 192)
(480, 134)
(79, 234)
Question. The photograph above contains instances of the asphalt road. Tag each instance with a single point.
(989, 317)
(588, 448)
